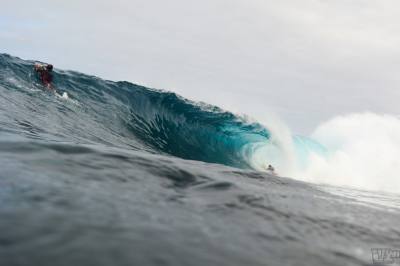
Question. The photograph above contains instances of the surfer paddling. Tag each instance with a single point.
(45, 75)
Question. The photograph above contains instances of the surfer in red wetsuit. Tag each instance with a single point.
(45, 75)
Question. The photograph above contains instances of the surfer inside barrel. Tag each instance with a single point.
(271, 169)
(45, 74)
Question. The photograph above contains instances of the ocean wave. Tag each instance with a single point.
(124, 114)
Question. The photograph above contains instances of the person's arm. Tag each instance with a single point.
(38, 67)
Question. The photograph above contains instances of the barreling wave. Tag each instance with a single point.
(124, 114)
(351, 150)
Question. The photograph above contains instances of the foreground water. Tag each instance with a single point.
(123, 175)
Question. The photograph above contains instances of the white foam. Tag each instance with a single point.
(279, 151)
(363, 151)
(63, 96)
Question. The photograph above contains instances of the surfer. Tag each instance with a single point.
(45, 74)
(271, 169)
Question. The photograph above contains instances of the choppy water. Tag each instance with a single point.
(120, 174)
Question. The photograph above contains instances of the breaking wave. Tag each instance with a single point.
(361, 150)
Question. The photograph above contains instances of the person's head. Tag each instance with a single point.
(49, 67)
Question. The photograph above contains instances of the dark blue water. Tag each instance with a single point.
(120, 174)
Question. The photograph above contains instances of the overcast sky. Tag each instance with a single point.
(305, 60)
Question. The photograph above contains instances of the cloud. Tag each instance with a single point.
(306, 60)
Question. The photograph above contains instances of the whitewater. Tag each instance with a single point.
(121, 174)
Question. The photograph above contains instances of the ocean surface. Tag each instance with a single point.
(121, 174)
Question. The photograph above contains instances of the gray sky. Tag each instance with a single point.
(305, 60)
